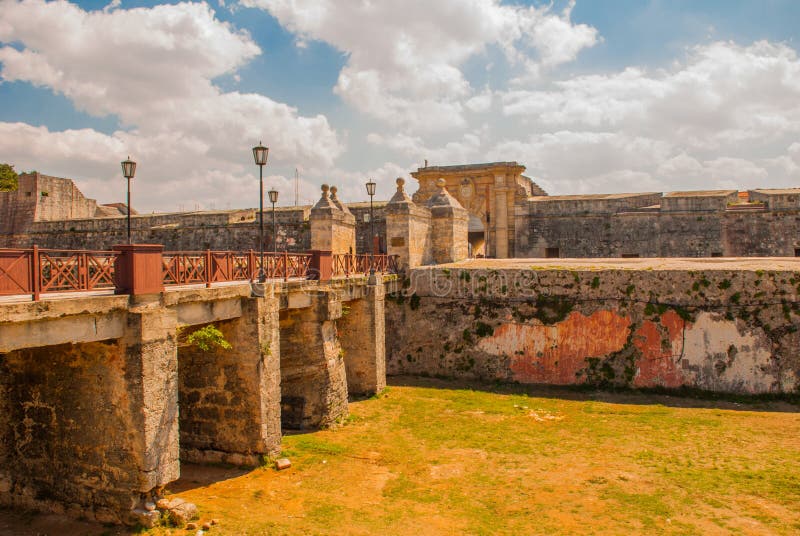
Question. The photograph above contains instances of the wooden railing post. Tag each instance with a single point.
(36, 275)
(83, 271)
(208, 272)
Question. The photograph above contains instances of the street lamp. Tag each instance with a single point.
(128, 171)
(371, 192)
(273, 198)
(260, 156)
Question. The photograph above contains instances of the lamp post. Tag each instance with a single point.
(128, 171)
(273, 198)
(260, 156)
(371, 192)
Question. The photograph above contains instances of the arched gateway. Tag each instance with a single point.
(489, 192)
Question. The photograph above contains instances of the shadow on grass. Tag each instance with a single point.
(679, 398)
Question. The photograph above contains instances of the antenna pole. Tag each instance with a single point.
(296, 187)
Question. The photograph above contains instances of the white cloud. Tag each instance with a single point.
(111, 6)
(724, 115)
(352, 184)
(92, 159)
(480, 103)
(404, 58)
(158, 81)
(734, 172)
(124, 62)
(725, 93)
(723, 118)
(581, 162)
(467, 149)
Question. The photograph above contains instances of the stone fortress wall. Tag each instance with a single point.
(43, 198)
(508, 216)
(729, 325)
(679, 224)
(74, 222)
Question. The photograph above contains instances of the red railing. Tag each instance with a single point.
(350, 264)
(35, 271)
(187, 267)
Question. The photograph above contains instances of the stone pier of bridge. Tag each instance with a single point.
(101, 398)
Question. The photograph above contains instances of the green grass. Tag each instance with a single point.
(446, 458)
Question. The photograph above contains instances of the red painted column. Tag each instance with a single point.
(138, 269)
(321, 267)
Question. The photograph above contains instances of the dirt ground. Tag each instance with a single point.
(432, 457)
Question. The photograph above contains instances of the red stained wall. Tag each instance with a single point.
(554, 354)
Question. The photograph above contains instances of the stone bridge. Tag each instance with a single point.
(101, 398)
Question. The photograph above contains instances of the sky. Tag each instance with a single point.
(591, 96)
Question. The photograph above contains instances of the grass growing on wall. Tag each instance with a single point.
(434, 457)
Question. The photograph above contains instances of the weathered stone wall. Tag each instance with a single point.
(42, 198)
(776, 199)
(698, 201)
(645, 233)
(361, 213)
(568, 205)
(68, 430)
(17, 210)
(313, 377)
(731, 233)
(228, 397)
(362, 331)
(230, 230)
(233, 230)
(60, 199)
(773, 233)
(721, 330)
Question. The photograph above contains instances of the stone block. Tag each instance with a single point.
(181, 514)
(146, 518)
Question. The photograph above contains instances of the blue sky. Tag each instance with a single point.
(590, 96)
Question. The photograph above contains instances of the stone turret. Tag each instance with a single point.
(407, 229)
(449, 226)
(332, 228)
(335, 200)
(433, 233)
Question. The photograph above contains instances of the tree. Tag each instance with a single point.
(8, 178)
